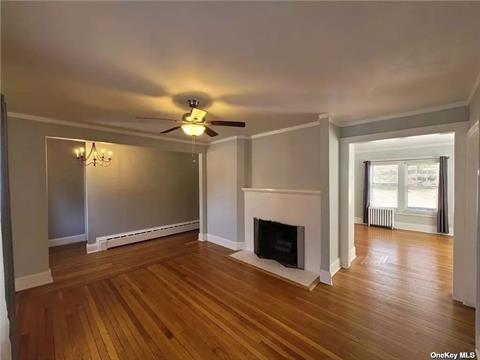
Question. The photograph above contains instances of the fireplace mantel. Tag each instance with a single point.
(283, 191)
(296, 207)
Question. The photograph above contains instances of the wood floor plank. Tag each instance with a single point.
(177, 298)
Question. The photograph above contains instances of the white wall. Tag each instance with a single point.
(406, 221)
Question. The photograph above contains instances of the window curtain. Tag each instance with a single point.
(442, 212)
(6, 227)
(366, 190)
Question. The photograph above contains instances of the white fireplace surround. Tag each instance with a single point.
(288, 206)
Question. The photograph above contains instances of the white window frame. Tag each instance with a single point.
(398, 180)
(416, 210)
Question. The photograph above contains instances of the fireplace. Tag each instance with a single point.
(281, 242)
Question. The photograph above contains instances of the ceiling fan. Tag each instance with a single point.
(194, 122)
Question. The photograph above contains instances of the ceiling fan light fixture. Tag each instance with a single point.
(197, 114)
(193, 129)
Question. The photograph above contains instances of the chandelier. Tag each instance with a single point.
(102, 158)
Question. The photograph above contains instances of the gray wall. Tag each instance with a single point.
(143, 187)
(453, 115)
(66, 189)
(29, 201)
(307, 158)
(289, 160)
(222, 190)
(442, 150)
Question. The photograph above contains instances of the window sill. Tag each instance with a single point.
(427, 214)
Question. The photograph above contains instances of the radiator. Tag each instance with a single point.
(384, 217)
(130, 237)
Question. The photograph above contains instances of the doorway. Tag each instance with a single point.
(347, 199)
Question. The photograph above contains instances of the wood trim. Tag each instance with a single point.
(67, 240)
(227, 243)
(33, 280)
(287, 129)
(91, 126)
(283, 191)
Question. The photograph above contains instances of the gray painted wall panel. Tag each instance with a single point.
(143, 187)
(222, 190)
(287, 160)
(66, 189)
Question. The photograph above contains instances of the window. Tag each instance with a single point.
(422, 185)
(384, 187)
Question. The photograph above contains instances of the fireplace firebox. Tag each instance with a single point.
(281, 242)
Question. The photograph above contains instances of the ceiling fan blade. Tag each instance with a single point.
(210, 132)
(227, 123)
(153, 118)
(170, 130)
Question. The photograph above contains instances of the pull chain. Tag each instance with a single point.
(193, 147)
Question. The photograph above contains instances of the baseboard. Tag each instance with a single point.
(96, 247)
(67, 240)
(30, 281)
(233, 245)
(326, 277)
(352, 254)
(202, 237)
(358, 220)
(110, 241)
(431, 229)
(334, 267)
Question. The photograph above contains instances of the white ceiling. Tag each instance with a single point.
(406, 142)
(270, 64)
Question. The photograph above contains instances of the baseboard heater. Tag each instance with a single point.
(130, 237)
(383, 217)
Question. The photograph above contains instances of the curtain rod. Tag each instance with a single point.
(419, 158)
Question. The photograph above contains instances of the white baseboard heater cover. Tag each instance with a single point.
(384, 217)
(130, 237)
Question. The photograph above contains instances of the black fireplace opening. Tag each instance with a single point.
(281, 242)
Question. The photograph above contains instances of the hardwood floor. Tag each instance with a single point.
(179, 298)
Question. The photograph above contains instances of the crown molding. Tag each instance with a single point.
(403, 114)
(98, 127)
(287, 129)
(474, 89)
(268, 133)
(394, 148)
(230, 138)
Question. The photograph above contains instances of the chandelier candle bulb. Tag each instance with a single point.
(93, 157)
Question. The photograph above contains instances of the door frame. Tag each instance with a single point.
(460, 244)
